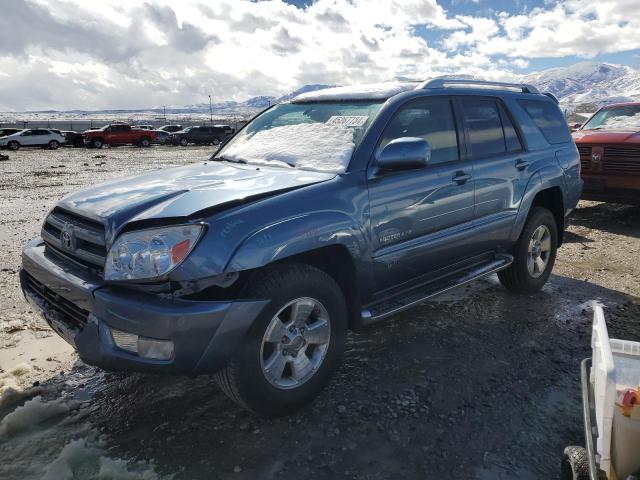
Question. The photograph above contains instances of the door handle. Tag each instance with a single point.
(521, 164)
(461, 177)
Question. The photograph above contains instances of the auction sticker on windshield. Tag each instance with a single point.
(348, 120)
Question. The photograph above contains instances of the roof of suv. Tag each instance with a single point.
(386, 90)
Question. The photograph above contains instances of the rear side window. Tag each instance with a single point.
(548, 119)
(510, 135)
(484, 125)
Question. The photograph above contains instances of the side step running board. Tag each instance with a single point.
(417, 296)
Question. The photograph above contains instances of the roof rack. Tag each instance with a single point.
(452, 82)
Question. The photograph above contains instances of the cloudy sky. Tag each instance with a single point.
(64, 54)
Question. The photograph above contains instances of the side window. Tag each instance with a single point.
(28, 133)
(549, 119)
(510, 134)
(431, 119)
(482, 118)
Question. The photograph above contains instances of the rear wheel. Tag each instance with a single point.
(294, 345)
(575, 464)
(184, 142)
(216, 141)
(534, 254)
(53, 145)
(13, 145)
(96, 143)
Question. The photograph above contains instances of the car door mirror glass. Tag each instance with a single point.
(405, 153)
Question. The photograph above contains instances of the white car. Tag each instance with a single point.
(33, 137)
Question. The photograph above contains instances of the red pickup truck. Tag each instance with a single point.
(118, 134)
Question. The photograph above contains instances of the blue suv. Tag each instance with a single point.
(335, 210)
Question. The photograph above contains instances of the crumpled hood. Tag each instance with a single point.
(182, 191)
(606, 136)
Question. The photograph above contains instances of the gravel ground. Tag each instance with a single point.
(477, 384)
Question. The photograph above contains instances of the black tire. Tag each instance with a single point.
(96, 143)
(145, 142)
(184, 142)
(13, 145)
(216, 141)
(243, 379)
(53, 145)
(517, 278)
(575, 464)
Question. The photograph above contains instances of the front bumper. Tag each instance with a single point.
(205, 333)
(611, 189)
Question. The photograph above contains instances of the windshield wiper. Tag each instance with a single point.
(226, 159)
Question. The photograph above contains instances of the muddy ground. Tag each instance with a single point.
(477, 384)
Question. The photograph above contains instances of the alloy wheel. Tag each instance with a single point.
(539, 251)
(295, 343)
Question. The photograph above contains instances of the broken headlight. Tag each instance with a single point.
(151, 253)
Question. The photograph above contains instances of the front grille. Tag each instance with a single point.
(621, 159)
(585, 157)
(85, 245)
(74, 316)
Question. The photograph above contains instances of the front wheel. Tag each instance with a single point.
(13, 145)
(145, 142)
(96, 143)
(53, 145)
(294, 345)
(184, 142)
(534, 254)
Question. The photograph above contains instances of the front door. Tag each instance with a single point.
(28, 137)
(422, 220)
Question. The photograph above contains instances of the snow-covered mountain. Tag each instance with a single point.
(589, 83)
(248, 107)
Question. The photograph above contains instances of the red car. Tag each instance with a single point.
(118, 134)
(609, 146)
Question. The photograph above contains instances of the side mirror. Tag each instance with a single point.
(406, 153)
(575, 126)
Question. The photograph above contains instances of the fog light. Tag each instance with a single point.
(145, 347)
(125, 341)
(155, 349)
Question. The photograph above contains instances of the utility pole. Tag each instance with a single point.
(210, 112)
(164, 112)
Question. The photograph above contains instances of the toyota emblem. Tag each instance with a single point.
(67, 238)
(596, 157)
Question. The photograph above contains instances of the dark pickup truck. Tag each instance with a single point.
(333, 211)
(201, 135)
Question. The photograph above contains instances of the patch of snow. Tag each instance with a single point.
(11, 392)
(370, 91)
(80, 458)
(52, 440)
(308, 146)
(32, 413)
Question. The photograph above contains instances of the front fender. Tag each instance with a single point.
(299, 235)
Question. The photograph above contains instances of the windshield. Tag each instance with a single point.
(625, 117)
(309, 136)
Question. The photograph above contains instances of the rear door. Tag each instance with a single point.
(499, 165)
(422, 220)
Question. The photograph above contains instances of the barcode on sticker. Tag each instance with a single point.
(348, 120)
